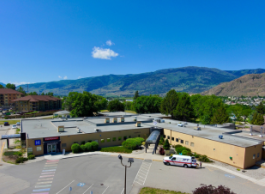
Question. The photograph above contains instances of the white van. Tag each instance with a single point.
(180, 160)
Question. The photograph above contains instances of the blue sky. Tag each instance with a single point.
(53, 40)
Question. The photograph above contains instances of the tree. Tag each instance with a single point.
(166, 145)
(1, 86)
(11, 86)
(20, 89)
(254, 119)
(169, 103)
(33, 93)
(136, 95)
(260, 108)
(147, 104)
(115, 105)
(259, 120)
(184, 110)
(101, 102)
(220, 116)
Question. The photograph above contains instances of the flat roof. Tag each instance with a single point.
(211, 133)
(40, 128)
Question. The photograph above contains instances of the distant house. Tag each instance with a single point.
(8, 95)
(37, 103)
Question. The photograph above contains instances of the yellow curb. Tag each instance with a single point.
(158, 160)
(1, 153)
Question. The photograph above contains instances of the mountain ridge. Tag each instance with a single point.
(189, 79)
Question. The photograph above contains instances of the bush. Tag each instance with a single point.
(88, 147)
(82, 148)
(18, 153)
(133, 143)
(31, 157)
(185, 152)
(75, 148)
(204, 158)
(21, 160)
(94, 145)
(179, 149)
(209, 189)
(116, 149)
(161, 140)
(196, 155)
(166, 145)
(161, 151)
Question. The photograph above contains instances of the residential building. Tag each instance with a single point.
(8, 95)
(37, 103)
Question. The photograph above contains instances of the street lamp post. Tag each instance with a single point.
(130, 160)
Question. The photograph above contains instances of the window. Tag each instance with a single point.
(125, 137)
(164, 136)
(119, 138)
(129, 136)
(102, 140)
(177, 140)
(174, 158)
(172, 138)
(114, 139)
(258, 155)
(181, 141)
(63, 145)
(108, 139)
(254, 156)
(186, 142)
(139, 135)
(168, 137)
(191, 144)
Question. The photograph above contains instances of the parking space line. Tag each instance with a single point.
(138, 183)
(105, 190)
(65, 187)
(88, 188)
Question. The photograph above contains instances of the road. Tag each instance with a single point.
(104, 175)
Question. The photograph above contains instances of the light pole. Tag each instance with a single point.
(130, 160)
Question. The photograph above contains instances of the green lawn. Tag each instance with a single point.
(11, 122)
(116, 149)
(148, 190)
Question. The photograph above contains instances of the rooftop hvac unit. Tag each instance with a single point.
(220, 136)
(97, 130)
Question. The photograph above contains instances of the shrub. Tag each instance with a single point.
(18, 153)
(161, 151)
(196, 155)
(204, 158)
(179, 149)
(116, 149)
(94, 145)
(161, 140)
(31, 157)
(88, 147)
(185, 152)
(209, 189)
(133, 143)
(166, 145)
(75, 148)
(82, 148)
(21, 160)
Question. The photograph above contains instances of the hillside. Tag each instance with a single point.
(2, 84)
(186, 79)
(247, 85)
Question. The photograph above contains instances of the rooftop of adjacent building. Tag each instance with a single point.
(9, 91)
(37, 98)
(48, 127)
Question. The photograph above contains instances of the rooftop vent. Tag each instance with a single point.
(220, 136)
(97, 130)
(60, 129)
(78, 130)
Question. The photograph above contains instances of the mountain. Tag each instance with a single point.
(247, 85)
(186, 79)
(2, 84)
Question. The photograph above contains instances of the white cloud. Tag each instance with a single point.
(79, 77)
(109, 43)
(101, 53)
(20, 83)
(65, 77)
(60, 76)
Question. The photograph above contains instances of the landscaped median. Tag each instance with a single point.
(148, 190)
(16, 157)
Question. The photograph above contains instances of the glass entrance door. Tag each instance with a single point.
(51, 148)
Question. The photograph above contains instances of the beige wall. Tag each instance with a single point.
(241, 157)
(69, 140)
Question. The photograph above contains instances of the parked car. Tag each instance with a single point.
(6, 123)
(181, 160)
(18, 123)
(180, 125)
(14, 126)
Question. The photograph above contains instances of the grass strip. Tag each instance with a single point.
(148, 190)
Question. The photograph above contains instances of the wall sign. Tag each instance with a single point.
(38, 142)
(51, 138)
(39, 148)
(29, 150)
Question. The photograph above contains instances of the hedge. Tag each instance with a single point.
(21, 160)
(116, 149)
(133, 143)
(88, 147)
(75, 148)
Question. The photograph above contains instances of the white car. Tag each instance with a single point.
(18, 123)
(180, 125)
(180, 160)
(14, 126)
